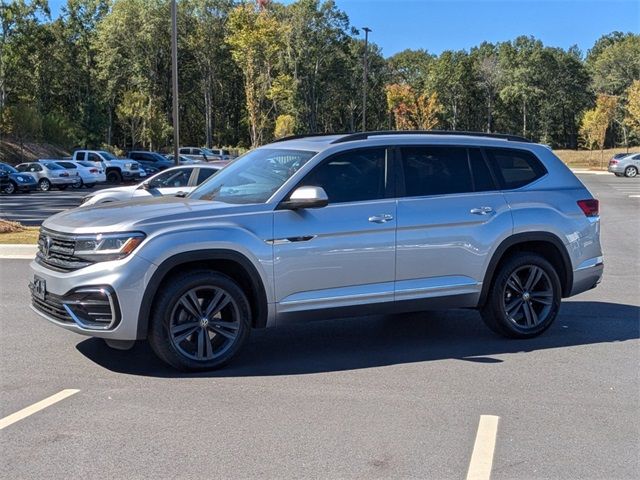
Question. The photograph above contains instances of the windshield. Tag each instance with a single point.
(108, 156)
(8, 168)
(53, 166)
(254, 177)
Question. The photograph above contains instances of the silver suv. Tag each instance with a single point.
(323, 226)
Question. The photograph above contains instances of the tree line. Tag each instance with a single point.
(100, 75)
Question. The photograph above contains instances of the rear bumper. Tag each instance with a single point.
(63, 181)
(587, 276)
(617, 168)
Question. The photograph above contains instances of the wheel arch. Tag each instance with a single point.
(545, 244)
(228, 262)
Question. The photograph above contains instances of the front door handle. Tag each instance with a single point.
(384, 218)
(481, 211)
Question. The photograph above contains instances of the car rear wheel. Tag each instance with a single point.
(630, 171)
(10, 188)
(200, 321)
(78, 183)
(524, 297)
(44, 185)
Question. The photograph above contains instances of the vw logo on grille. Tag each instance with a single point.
(46, 246)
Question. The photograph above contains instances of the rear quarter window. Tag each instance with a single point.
(515, 168)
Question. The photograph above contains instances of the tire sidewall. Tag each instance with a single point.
(161, 318)
(506, 326)
(10, 189)
(44, 182)
(631, 172)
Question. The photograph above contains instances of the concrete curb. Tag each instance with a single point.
(581, 171)
(18, 252)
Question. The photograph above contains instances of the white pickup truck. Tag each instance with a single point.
(117, 169)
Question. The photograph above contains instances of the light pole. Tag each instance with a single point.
(364, 79)
(174, 75)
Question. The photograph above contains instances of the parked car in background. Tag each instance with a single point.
(168, 182)
(90, 173)
(628, 165)
(152, 162)
(184, 160)
(12, 181)
(70, 167)
(48, 174)
(200, 153)
(116, 169)
(222, 153)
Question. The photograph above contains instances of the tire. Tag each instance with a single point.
(114, 176)
(631, 171)
(179, 327)
(514, 309)
(44, 184)
(78, 184)
(11, 188)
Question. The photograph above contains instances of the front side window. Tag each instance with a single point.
(515, 168)
(171, 179)
(254, 177)
(108, 156)
(93, 157)
(353, 176)
(434, 170)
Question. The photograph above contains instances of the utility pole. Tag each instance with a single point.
(364, 79)
(174, 75)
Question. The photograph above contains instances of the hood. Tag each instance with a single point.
(127, 189)
(144, 215)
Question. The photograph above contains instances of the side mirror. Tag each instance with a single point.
(306, 197)
(181, 194)
(146, 185)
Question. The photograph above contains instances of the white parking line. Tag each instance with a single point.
(634, 196)
(36, 407)
(482, 456)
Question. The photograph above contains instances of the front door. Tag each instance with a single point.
(343, 254)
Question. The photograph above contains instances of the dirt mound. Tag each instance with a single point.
(12, 153)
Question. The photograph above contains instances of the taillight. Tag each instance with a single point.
(93, 170)
(591, 207)
(613, 161)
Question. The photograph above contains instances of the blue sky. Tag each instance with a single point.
(438, 25)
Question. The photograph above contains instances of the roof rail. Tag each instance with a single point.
(306, 135)
(364, 135)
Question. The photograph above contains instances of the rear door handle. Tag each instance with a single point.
(482, 210)
(384, 218)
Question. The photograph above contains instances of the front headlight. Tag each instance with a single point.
(21, 179)
(128, 166)
(104, 247)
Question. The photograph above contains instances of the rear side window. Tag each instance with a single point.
(515, 168)
(435, 171)
(67, 165)
(205, 173)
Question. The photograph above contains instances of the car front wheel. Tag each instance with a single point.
(200, 321)
(524, 297)
(44, 185)
(630, 172)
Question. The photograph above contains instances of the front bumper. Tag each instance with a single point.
(131, 174)
(123, 283)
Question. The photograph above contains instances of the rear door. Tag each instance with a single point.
(343, 254)
(450, 216)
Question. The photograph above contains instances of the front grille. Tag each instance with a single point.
(135, 166)
(55, 251)
(51, 306)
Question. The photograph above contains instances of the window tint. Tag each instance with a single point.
(515, 168)
(80, 156)
(482, 180)
(94, 157)
(354, 176)
(172, 178)
(66, 165)
(205, 173)
(435, 171)
(184, 150)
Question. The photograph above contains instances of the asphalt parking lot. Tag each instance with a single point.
(381, 397)
(32, 208)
